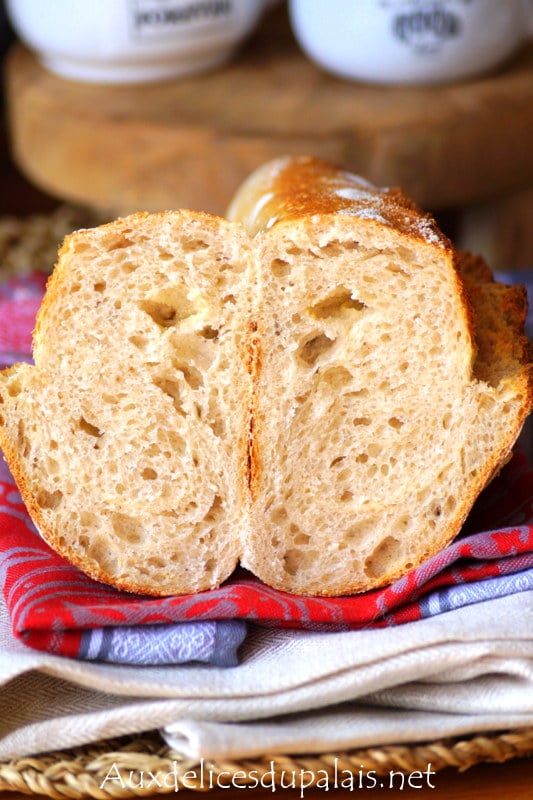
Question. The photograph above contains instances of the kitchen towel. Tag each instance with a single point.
(471, 668)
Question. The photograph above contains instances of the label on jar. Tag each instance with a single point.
(425, 27)
(154, 19)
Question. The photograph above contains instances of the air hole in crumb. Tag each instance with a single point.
(384, 558)
(215, 510)
(396, 423)
(87, 427)
(149, 474)
(162, 314)
(278, 514)
(336, 376)
(14, 387)
(346, 496)
(302, 538)
(292, 560)
(280, 268)
(52, 466)
(119, 243)
(337, 304)
(450, 503)
(217, 426)
(294, 250)
(193, 245)
(192, 375)
(169, 306)
(361, 421)
(139, 341)
(171, 389)
(344, 475)
(311, 350)
(100, 552)
(22, 440)
(397, 270)
(210, 565)
(362, 458)
(49, 500)
(404, 522)
(337, 460)
(100, 286)
(126, 528)
(209, 333)
(331, 249)
(157, 562)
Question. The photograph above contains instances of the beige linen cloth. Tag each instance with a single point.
(468, 670)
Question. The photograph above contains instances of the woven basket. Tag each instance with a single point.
(143, 766)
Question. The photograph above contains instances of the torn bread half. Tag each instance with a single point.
(129, 436)
(393, 379)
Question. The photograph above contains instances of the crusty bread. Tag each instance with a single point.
(128, 437)
(389, 388)
(319, 388)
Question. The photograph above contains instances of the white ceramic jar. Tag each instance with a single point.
(130, 41)
(410, 41)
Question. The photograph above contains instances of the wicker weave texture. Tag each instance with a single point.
(144, 766)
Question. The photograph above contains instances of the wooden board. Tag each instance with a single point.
(190, 142)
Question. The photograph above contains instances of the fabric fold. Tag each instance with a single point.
(484, 650)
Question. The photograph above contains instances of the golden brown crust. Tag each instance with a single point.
(499, 313)
(288, 188)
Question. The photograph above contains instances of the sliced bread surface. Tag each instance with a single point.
(318, 388)
(394, 378)
(129, 436)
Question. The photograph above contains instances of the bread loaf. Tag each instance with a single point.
(129, 436)
(318, 388)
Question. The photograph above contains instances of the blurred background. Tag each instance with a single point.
(85, 149)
